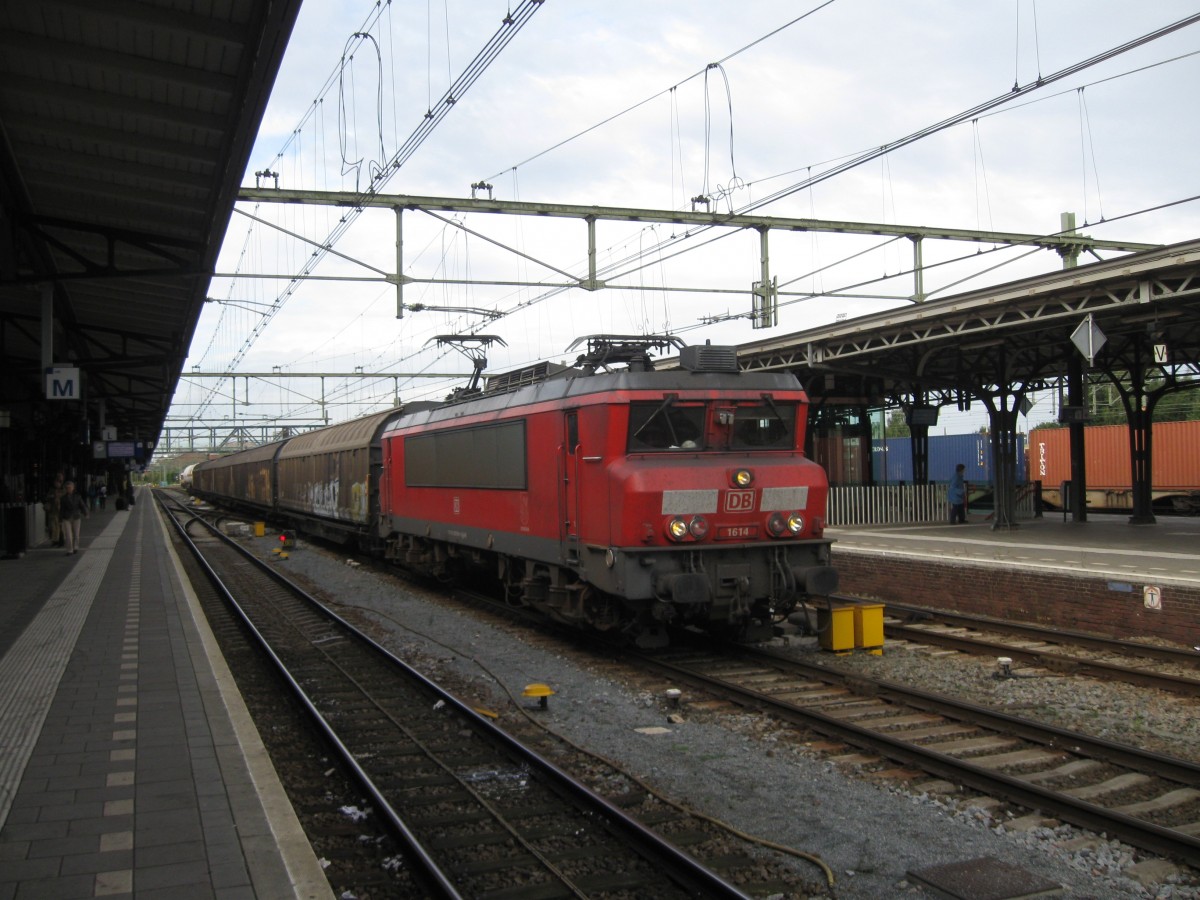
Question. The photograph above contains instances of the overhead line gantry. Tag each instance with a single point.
(1067, 244)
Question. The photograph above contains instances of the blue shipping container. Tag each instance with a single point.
(891, 459)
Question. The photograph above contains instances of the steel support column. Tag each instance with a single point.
(918, 270)
(1140, 410)
(1141, 433)
(1076, 398)
(1003, 404)
(47, 330)
(1003, 423)
(918, 440)
(591, 253)
(399, 261)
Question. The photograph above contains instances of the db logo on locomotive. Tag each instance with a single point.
(739, 501)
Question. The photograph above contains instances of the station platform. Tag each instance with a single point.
(1104, 575)
(128, 764)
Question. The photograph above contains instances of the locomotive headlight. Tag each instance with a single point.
(742, 478)
(785, 524)
(677, 529)
(699, 527)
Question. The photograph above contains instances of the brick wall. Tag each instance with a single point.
(1082, 602)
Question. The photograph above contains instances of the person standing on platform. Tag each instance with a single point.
(957, 495)
(51, 503)
(103, 493)
(72, 511)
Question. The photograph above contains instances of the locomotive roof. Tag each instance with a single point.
(568, 386)
(559, 387)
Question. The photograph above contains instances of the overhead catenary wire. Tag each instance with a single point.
(651, 247)
(666, 91)
(1088, 146)
(957, 259)
(980, 109)
(509, 28)
(867, 156)
(987, 107)
(980, 178)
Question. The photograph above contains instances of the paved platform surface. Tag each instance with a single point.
(128, 765)
(1166, 552)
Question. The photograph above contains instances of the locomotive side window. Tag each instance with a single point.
(764, 427)
(665, 426)
(453, 458)
(572, 432)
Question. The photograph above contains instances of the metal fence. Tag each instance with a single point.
(912, 504)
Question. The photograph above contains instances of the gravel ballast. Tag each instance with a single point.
(755, 774)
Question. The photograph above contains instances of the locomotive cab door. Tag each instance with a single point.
(569, 505)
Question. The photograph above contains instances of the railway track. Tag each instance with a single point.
(1065, 652)
(479, 814)
(1148, 800)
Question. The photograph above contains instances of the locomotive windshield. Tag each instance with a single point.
(764, 427)
(666, 426)
(674, 425)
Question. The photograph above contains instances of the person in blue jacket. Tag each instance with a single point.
(957, 495)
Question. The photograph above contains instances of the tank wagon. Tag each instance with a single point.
(607, 495)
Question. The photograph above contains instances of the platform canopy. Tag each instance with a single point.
(1021, 334)
(125, 129)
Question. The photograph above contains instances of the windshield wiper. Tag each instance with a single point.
(670, 401)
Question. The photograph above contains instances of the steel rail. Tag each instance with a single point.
(437, 878)
(1134, 831)
(1057, 662)
(1053, 635)
(685, 870)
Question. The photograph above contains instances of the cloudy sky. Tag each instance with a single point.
(648, 105)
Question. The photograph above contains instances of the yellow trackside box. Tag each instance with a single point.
(868, 627)
(260, 529)
(836, 628)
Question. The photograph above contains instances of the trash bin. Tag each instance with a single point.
(12, 529)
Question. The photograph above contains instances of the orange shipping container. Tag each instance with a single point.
(1175, 463)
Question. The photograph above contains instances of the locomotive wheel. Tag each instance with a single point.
(602, 612)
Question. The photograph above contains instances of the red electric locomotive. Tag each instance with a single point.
(615, 496)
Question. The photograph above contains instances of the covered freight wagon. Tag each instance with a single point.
(1174, 465)
(245, 479)
(332, 474)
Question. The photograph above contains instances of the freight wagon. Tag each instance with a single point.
(1174, 466)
